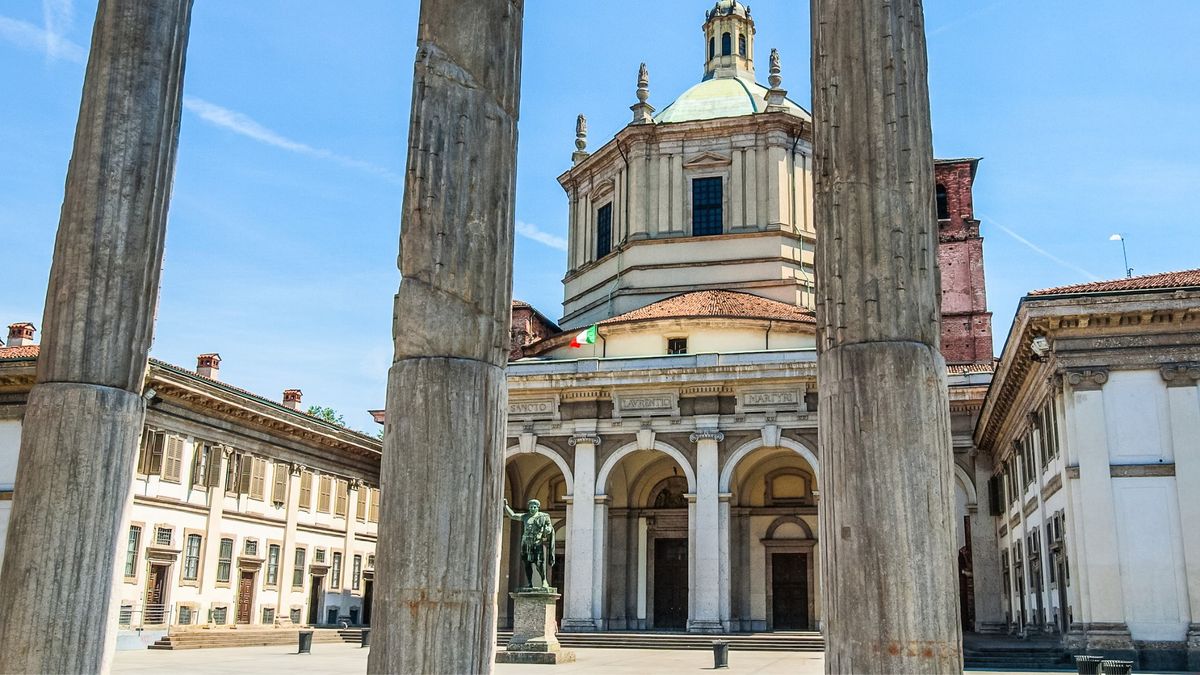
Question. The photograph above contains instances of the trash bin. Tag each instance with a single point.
(1088, 665)
(720, 654)
(1116, 667)
(305, 642)
(366, 638)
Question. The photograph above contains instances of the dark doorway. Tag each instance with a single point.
(670, 583)
(245, 597)
(789, 591)
(156, 594)
(314, 599)
(368, 595)
(556, 580)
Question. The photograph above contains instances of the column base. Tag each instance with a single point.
(1193, 648)
(705, 626)
(991, 628)
(570, 625)
(1110, 640)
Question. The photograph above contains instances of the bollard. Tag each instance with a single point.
(720, 654)
(1088, 665)
(1108, 667)
(366, 638)
(305, 642)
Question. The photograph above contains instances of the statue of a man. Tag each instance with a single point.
(537, 541)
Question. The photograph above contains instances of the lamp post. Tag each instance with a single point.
(1124, 254)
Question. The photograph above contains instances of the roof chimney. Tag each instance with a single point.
(291, 398)
(209, 365)
(20, 334)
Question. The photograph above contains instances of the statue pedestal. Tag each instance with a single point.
(534, 639)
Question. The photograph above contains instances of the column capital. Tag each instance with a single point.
(227, 451)
(593, 439)
(356, 483)
(1086, 379)
(706, 435)
(298, 468)
(1180, 374)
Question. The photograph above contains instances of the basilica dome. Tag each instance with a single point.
(722, 97)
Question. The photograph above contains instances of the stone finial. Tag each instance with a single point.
(776, 95)
(643, 112)
(581, 132)
(20, 334)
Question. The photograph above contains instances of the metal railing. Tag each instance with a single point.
(149, 615)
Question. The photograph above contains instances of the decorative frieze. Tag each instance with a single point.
(1181, 374)
(1086, 379)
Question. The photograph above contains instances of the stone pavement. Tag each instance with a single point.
(341, 658)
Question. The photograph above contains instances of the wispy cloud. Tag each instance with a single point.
(57, 15)
(530, 231)
(1041, 251)
(244, 125)
(963, 19)
(34, 38)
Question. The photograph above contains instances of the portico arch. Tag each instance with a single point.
(659, 446)
(968, 486)
(540, 449)
(540, 473)
(750, 446)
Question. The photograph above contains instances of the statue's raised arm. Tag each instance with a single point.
(510, 513)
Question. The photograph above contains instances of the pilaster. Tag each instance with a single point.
(579, 603)
(1183, 400)
(292, 500)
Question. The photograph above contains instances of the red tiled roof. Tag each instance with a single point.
(17, 353)
(716, 304)
(521, 304)
(966, 368)
(1146, 282)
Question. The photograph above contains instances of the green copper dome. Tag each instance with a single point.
(721, 97)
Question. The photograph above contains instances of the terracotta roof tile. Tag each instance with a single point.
(716, 304)
(967, 368)
(521, 304)
(1146, 282)
(17, 353)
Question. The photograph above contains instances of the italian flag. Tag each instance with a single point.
(587, 337)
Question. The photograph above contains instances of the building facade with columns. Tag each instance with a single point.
(1093, 427)
(244, 511)
(678, 453)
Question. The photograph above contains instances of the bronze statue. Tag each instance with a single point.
(537, 541)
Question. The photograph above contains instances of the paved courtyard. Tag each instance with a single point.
(340, 658)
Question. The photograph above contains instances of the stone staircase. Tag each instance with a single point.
(789, 641)
(1016, 655)
(223, 637)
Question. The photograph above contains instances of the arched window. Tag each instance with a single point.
(742, 46)
(726, 45)
(943, 204)
(712, 48)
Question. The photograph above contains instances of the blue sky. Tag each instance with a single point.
(282, 239)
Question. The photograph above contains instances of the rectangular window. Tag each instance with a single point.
(191, 558)
(131, 551)
(294, 615)
(708, 215)
(298, 569)
(360, 511)
(371, 561)
(162, 536)
(325, 495)
(356, 573)
(306, 481)
(336, 572)
(219, 615)
(279, 488)
(343, 495)
(677, 346)
(268, 615)
(258, 479)
(151, 454)
(603, 231)
(172, 463)
(225, 560)
(273, 564)
(251, 547)
(200, 459)
(245, 474)
(319, 556)
(374, 517)
(185, 615)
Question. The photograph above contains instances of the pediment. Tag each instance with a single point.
(707, 159)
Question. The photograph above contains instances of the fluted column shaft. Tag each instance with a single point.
(443, 459)
(889, 597)
(85, 414)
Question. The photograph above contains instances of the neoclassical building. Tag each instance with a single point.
(1093, 427)
(679, 453)
(244, 511)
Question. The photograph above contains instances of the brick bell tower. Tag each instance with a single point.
(966, 321)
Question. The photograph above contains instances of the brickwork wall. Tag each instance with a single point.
(966, 322)
(527, 327)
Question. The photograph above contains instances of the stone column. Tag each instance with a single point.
(985, 554)
(887, 524)
(725, 562)
(85, 413)
(1104, 627)
(288, 553)
(1183, 397)
(580, 539)
(642, 532)
(443, 461)
(600, 562)
(706, 581)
